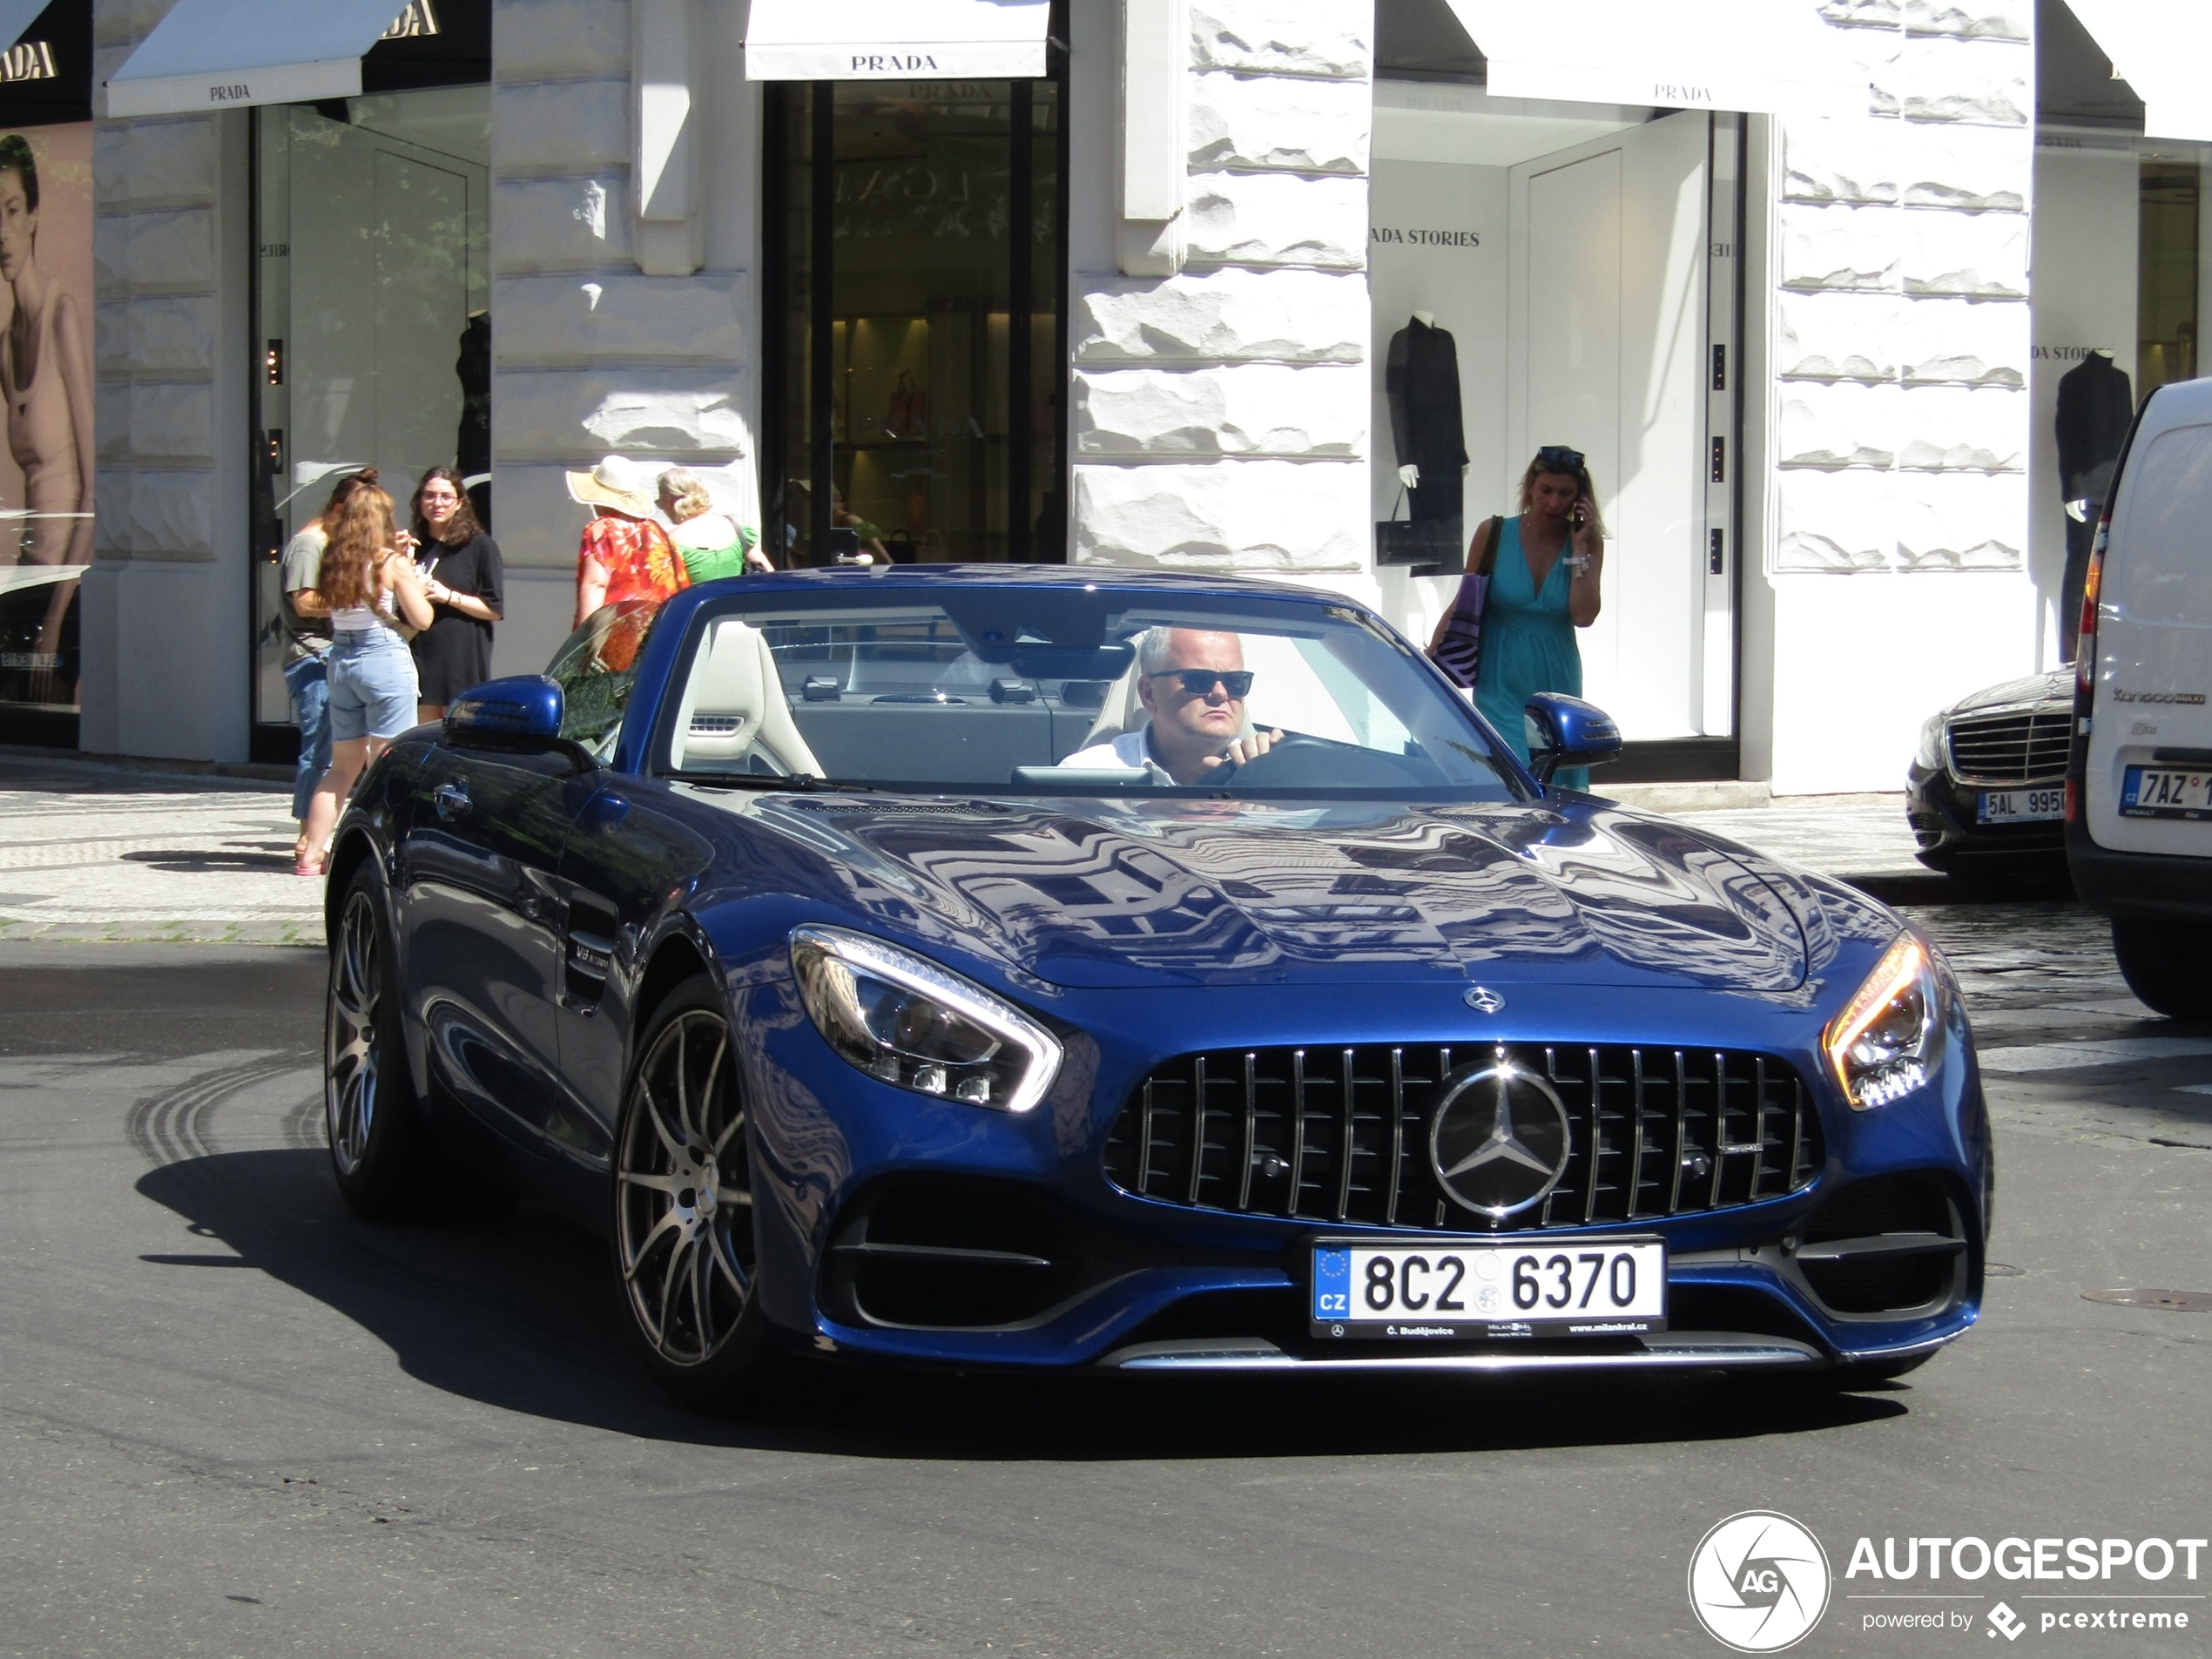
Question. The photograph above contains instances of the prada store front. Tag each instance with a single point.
(915, 299)
(371, 272)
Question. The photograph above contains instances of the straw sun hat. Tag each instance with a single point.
(616, 483)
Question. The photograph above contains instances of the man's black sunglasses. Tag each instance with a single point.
(1200, 682)
(1557, 457)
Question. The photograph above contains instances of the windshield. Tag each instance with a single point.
(595, 667)
(1067, 690)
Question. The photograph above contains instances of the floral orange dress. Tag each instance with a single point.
(641, 562)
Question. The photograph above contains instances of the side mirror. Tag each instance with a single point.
(1575, 733)
(518, 716)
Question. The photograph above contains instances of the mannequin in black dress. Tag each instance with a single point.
(465, 580)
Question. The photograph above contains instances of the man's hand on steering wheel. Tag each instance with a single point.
(1242, 750)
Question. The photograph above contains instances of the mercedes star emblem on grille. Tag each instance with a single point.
(1499, 1138)
(1483, 1000)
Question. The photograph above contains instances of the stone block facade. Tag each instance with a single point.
(162, 615)
(1219, 414)
(1900, 338)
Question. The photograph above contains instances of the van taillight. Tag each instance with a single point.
(2085, 644)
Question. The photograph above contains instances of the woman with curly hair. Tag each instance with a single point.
(375, 600)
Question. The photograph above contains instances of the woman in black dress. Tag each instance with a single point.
(466, 583)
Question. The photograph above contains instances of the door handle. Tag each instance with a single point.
(450, 799)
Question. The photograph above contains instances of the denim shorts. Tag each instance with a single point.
(372, 685)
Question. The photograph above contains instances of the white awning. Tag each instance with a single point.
(896, 40)
(1682, 54)
(218, 54)
(16, 16)
(2160, 48)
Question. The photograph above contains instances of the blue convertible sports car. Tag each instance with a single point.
(1057, 968)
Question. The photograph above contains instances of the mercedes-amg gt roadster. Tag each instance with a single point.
(1094, 969)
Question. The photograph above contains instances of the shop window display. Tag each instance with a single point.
(372, 296)
(916, 273)
(46, 375)
(1561, 273)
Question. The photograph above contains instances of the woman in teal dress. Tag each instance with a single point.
(1543, 586)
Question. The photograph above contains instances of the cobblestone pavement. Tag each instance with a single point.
(90, 852)
(2065, 1049)
(1848, 835)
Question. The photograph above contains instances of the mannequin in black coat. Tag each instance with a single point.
(2096, 402)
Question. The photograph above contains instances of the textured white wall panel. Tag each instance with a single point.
(1842, 249)
(1250, 410)
(1288, 38)
(1255, 218)
(1227, 315)
(1255, 516)
(1276, 123)
(1975, 255)
(1821, 336)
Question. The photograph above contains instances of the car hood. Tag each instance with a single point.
(1132, 893)
(2054, 687)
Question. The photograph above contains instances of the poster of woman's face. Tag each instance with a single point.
(46, 466)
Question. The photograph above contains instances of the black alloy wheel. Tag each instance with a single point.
(369, 1109)
(683, 1239)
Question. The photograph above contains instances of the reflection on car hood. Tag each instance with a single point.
(1133, 892)
(2055, 687)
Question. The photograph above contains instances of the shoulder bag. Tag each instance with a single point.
(1457, 648)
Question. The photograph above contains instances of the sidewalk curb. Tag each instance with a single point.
(17, 758)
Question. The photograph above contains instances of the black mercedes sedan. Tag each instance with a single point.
(1986, 790)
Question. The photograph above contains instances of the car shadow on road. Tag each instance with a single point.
(525, 1315)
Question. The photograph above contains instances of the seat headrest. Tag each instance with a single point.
(734, 706)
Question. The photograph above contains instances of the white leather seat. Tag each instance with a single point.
(734, 709)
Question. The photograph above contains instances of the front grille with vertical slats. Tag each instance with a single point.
(1342, 1134)
(2010, 748)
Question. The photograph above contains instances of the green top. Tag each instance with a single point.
(709, 564)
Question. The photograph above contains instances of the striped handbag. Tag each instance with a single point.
(1457, 648)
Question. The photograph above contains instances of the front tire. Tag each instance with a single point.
(2165, 966)
(683, 1237)
(369, 1109)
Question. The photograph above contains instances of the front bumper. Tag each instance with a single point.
(873, 1250)
(1942, 812)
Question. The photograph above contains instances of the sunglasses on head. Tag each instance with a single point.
(1557, 457)
(1200, 682)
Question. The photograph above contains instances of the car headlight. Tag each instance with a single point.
(1885, 1042)
(1929, 756)
(901, 1018)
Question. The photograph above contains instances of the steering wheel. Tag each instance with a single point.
(1297, 760)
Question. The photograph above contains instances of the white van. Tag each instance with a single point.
(2139, 789)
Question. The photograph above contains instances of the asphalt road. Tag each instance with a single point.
(235, 1421)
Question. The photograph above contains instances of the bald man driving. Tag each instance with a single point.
(1192, 683)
